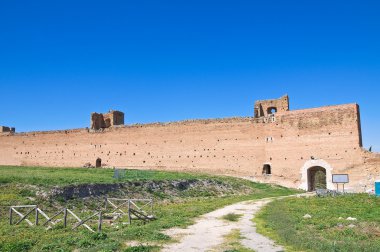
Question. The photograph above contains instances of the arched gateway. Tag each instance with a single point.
(316, 178)
(316, 174)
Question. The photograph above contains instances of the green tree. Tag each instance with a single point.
(320, 180)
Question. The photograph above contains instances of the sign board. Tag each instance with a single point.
(340, 178)
(119, 173)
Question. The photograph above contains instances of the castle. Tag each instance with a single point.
(276, 145)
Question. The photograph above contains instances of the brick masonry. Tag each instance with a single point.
(290, 142)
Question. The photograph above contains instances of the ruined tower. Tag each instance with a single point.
(265, 108)
(110, 119)
(5, 129)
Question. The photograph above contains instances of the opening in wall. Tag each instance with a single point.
(316, 178)
(267, 169)
(272, 110)
(98, 162)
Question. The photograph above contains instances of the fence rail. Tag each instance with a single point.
(49, 220)
(135, 209)
(12, 210)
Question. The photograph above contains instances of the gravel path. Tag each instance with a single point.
(207, 234)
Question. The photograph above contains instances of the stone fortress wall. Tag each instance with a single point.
(276, 145)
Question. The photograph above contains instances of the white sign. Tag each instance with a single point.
(340, 178)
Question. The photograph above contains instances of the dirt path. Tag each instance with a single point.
(209, 231)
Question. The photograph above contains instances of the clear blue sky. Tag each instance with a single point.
(173, 60)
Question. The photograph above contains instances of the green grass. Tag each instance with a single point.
(19, 185)
(231, 217)
(141, 248)
(46, 176)
(328, 229)
(232, 243)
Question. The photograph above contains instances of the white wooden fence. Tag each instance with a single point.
(50, 220)
(135, 209)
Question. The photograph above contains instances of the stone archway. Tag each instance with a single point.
(315, 165)
(316, 178)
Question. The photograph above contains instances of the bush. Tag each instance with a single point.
(320, 180)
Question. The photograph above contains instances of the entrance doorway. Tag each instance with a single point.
(316, 178)
(98, 163)
(267, 169)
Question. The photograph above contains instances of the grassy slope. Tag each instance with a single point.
(170, 213)
(67, 176)
(283, 221)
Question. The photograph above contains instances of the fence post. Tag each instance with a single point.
(129, 211)
(151, 206)
(36, 216)
(100, 222)
(65, 217)
(10, 216)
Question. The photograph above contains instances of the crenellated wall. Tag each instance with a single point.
(290, 143)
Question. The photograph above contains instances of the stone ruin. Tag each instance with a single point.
(5, 129)
(110, 119)
(265, 110)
